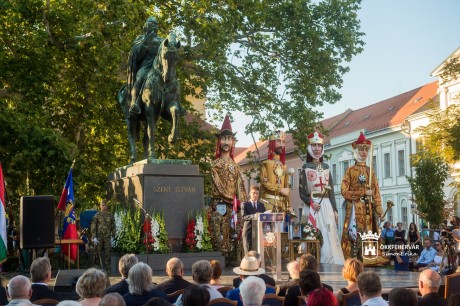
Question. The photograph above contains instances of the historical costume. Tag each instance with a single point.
(215, 222)
(250, 209)
(363, 203)
(227, 182)
(315, 190)
(274, 177)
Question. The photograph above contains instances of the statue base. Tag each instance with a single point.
(176, 189)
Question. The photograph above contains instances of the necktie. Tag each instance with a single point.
(255, 205)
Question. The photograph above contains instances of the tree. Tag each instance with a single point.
(64, 61)
(431, 171)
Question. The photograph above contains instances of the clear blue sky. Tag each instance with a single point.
(405, 40)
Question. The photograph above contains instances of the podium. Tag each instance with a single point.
(268, 241)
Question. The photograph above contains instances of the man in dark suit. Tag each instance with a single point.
(250, 209)
(124, 264)
(428, 285)
(175, 270)
(40, 274)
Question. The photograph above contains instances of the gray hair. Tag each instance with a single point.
(430, 278)
(252, 290)
(39, 269)
(202, 272)
(112, 299)
(139, 278)
(68, 303)
(91, 283)
(19, 287)
(174, 266)
(125, 263)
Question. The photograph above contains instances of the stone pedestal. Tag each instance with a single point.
(177, 189)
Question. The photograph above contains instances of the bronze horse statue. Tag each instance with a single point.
(159, 96)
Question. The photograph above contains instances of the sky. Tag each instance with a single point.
(405, 40)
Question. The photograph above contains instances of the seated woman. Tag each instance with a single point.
(216, 273)
(402, 256)
(91, 287)
(436, 264)
(140, 286)
(350, 272)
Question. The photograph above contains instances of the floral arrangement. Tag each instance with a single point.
(197, 238)
(312, 233)
(155, 235)
(127, 224)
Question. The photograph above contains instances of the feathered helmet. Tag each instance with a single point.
(225, 130)
(314, 138)
(277, 135)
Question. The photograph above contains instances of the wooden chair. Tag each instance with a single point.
(172, 297)
(222, 302)
(301, 301)
(224, 290)
(351, 299)
(273, 300)
(46, 302)
(452, 284)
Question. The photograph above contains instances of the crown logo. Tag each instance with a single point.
(369, 236)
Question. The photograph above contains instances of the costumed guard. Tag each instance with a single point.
(228, 188)
(315, 190)
(103, 230)
(274, 177)
(215, 223)
(360, 189)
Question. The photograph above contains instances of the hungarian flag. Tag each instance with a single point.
(234, 221)
(69, 228)
(3, 241)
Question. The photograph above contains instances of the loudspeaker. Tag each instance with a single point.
(36, 226)
(67, 279)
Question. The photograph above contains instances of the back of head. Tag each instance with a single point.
(202, 272)
(454, 300)
(125, 263)
(174, 266)
(157, 301)
(430, 279)
(139, 278)
(91, 283)
(369, 284)
(252, 290)
(309, 280)
(322, 297)
(112, 299)
(254, 254)
(308, 262)
(68, 303)
(402, 296)
(195, 295)
(216, 269)
(40, 270)
(19, 287)
(293, 269)
(352, 269)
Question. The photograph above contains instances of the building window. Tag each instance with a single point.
(386, 165)
(345, 165)
(335, 176)
(374, 165)
(401, 163)
(404, 213)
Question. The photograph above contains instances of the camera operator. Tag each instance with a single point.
(455, 221)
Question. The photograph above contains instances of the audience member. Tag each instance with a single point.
(68, 303)
(157, 302)
(388, 233)
(454, 300)
(112, 299)
(124, 264)
(309, 262)
(19, 290)
(350, 272)
(370, 289)
(427, 255)
(252, 291)
(201, 274)
(402, 297)
(3, 298)
(308, 281)
(438, 259)
(249, 266)
(195, 295)
(401, 256)
(400, 233)
(175, 271)
(140, 286)
(321, 297)
(428, 285)
(293, 269)
(216, 273)
(413, 236)
(91, 287)
(40, 274)
(267, 279)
